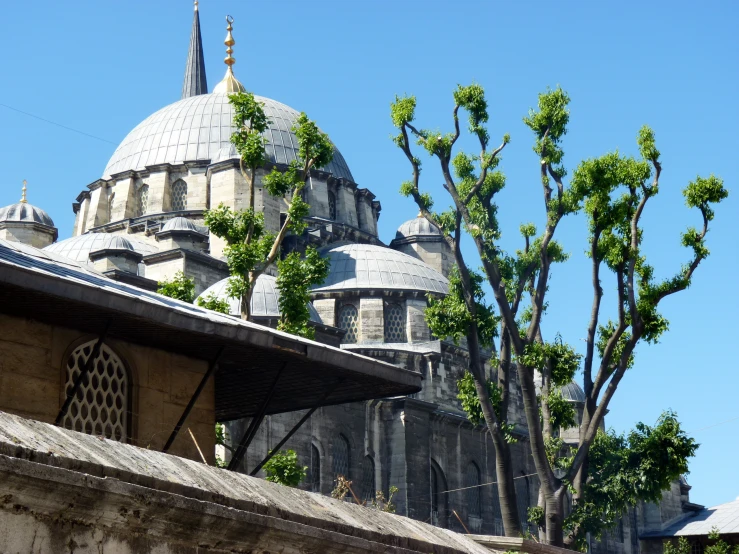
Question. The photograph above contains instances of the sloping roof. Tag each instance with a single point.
(35, 283)
(724, 517)
(168, 480)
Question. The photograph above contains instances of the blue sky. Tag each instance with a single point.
(102, 67)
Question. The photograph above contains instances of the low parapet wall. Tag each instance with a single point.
(62, 491)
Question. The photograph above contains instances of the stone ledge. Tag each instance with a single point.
(503, 544)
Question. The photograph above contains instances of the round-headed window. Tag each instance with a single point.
(100, 406)
(179, 195)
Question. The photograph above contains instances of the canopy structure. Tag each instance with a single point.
(259, 370)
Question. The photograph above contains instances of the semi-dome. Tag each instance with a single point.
(264, 299)
(26, 213)
(78, 248)
(181, 224)
(367, 266)
(199, 128)
(573, 393)
(417, 227)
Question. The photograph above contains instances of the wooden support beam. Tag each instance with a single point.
(212, 368)
(255, 423)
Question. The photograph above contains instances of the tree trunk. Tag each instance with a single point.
(554, 518)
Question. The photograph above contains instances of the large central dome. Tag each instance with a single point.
(197, 128)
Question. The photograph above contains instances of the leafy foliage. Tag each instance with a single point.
(625, 469)
(250, 249)
(468, 397)
(718, 546)
(297, 275)
(379, 502)
(212, 302)
(180, 287)
(449, 317)
(283, 468)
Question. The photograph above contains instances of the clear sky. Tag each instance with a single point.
(102, 67)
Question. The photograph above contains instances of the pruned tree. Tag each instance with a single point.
(613, 191)
(250, 249)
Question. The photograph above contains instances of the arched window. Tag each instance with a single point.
(394, 323)
(474, 497)
(349, 322)
(368, 479)
(142, 200)
(331, 205)
(179, 195)
(439, 509)
(315, 469)
(101, 404)
(341, 459)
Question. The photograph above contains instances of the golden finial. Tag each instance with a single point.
(23, 196)
(229, 84)
(196, 5)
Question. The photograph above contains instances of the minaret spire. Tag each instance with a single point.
(195, 81)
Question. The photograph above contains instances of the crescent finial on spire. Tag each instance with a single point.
(23, 193)
(230, 83)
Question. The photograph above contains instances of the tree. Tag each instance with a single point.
(297, 275)
(626, 469)
(718, 546)
(283, 468)
(212, 302)
(612, 191)
(250, 250)
(179, 287)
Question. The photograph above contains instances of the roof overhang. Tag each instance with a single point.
(34, 285)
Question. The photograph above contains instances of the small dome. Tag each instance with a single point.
(78, 248)
(25, 212)
(264, 299)
(573, 393)
(417, 227)
(181, 224)
(366, 266)
(199, 128)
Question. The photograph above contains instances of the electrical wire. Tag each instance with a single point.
(57, 124)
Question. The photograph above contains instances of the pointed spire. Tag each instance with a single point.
(229, 83)
(23, 193)
(195, 81)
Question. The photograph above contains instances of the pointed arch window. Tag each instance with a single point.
(349, 322)
(474, 498)
(368, 479)
(395, 323)
(142, 200)
(101, 404)
(331, 205)
(315, 469)
(179, 195)
(439, 498)
(341, 457)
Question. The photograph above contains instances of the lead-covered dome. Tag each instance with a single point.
(417, 227)
(264, 300)
(181, 224)
(26, 213)
(78, 248)
(572, 392)
(199, 128)
(367, 266)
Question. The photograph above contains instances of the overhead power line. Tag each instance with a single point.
(714, 425)
(57, 124)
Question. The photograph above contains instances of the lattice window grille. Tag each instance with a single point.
(368, 479)
(142, 200)
(395, 323)
(101, 403)
(474, 497)
(179, 196)
(315, 469)
(331, 205)
(341, 456)
(349, 322)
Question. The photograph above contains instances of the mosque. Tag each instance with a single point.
(141, 222)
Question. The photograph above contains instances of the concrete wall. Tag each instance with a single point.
(32, 377)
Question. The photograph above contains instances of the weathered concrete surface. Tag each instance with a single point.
(505, 544)
(66, 491)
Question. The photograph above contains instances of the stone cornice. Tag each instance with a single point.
(97, 184)
(176, 253)
(84, 195)
(118, 252)
(159, 168)
(200, 237)
(128, 174)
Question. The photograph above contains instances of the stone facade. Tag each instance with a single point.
(33, 377)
